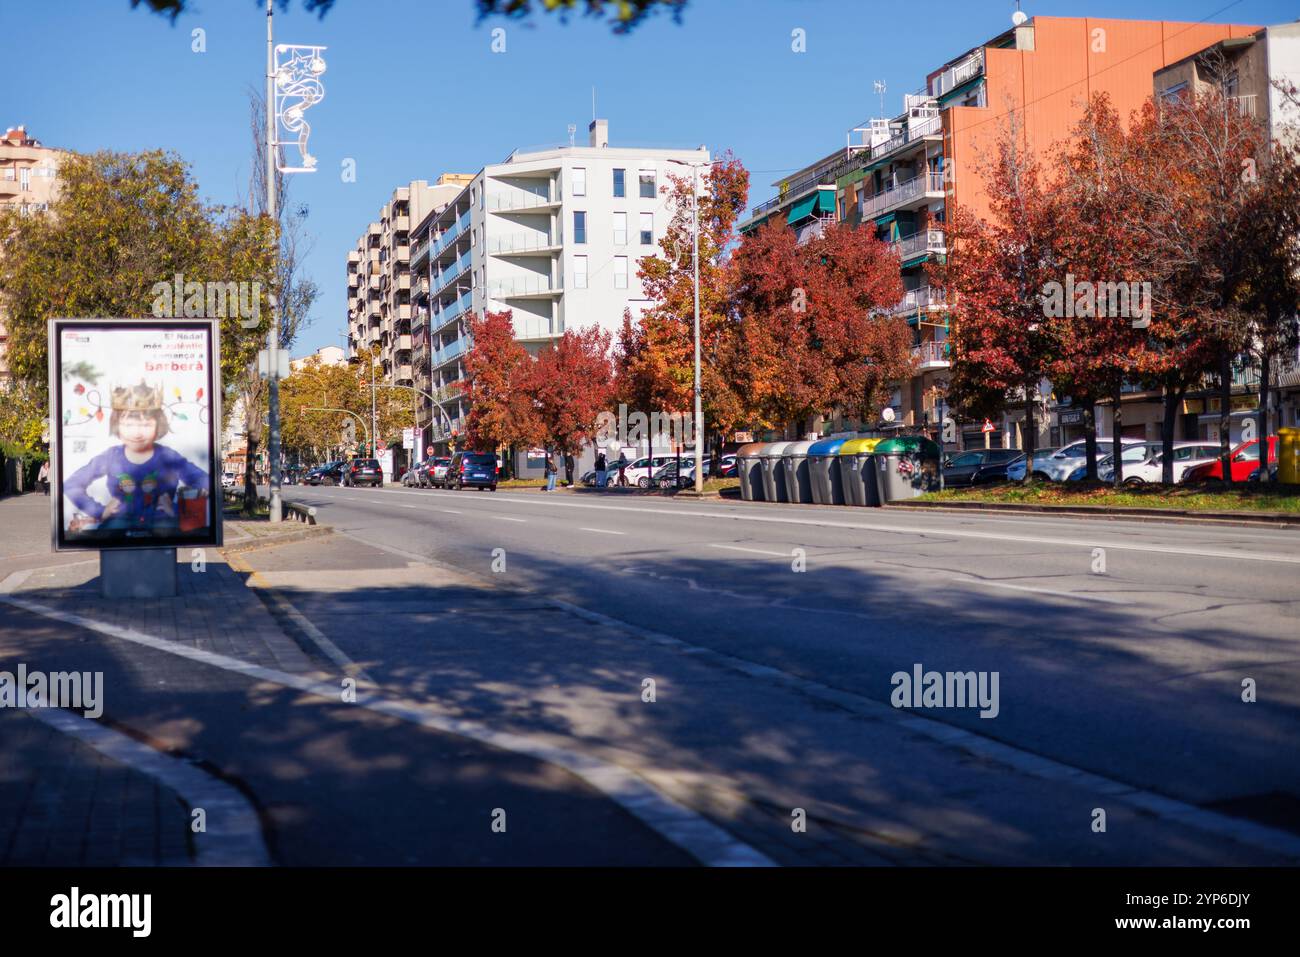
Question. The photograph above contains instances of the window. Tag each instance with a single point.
(968, 459)
(647, 229)
(579, 181)
(579, 272)
(25, 178)
(647, 184)
(620, 183)
(620, 272)
(579, 227)
(620, 229)
(473, 195)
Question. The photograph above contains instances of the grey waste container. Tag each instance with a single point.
(750, 470)
(855, 457)
(773, 473)
(824, 470)
(798, 481)
(907, 466)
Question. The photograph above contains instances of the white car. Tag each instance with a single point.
(640, 472)
(228, 480)
(1063, 463)
(1145, 463)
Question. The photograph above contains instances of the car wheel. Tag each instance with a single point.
(1134, 481)
(492, 488)
(643, 483)
(1042, 477)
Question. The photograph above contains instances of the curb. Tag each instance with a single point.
(1158, 515)
(252, 543)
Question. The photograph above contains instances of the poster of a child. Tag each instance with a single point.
(135, 435)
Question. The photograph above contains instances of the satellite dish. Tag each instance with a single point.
(1019, 17)
(887, 414)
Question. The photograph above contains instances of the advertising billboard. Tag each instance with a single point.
(136, 408)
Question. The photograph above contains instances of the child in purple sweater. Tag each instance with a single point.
(143, 477)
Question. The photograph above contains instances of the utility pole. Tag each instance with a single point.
(374, 419)
(699, 411)
(273, 337)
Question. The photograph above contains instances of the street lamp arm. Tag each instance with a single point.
(411, 388)
(345, 412)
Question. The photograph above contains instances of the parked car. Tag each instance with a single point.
(1244, 460)
(667, 477)
(1144, 464)
(1016, 469)
(435, 471)
(1065, 461)
(727, 466)
(412, 476)
(978, 466)
(472, 470)
(364, 472)
(640, 472)
(332, 473)
(228, 480)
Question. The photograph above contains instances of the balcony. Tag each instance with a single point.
(916, 191)
(916, 129)
(401, 224)
(518, 287)
(403, 372)
(403, 311)
(402, 253)
(420, 253)
(518, 199)
(1245, 104)
(449, 274)
(923, 297)
(929, 242)
(453, 312)
(448, 353)
(931, 355)
(959, 73)
(353, 280)
(374, 282)
(524, 243)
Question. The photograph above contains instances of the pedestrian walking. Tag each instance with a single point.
(622, 469)
(43, 476)
(550, 473)
(602, 469)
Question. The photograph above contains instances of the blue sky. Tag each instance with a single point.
(413, 88)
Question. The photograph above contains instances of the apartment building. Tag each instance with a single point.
(28, 182)
(551, 234)
(900, 175)
(379, 278)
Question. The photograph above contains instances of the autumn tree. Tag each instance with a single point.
(658, 356)
(119, 224)
(812, 323)
(495, 385)
(994, 278)
(570, 384)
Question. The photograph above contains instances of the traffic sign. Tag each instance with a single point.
(987, 426)
(381, 446)
(429, 450)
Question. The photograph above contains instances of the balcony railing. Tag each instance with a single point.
(919, 186)
(522, 242)
(453, 351)
(931, 355)
(920, 298)
(523, 286)
(958, 74)
(420, 251)
(449, 273)
(930, 241)
(518, 199)
(454, 312)
(1245, 103)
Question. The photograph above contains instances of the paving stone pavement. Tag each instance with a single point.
(63, 804)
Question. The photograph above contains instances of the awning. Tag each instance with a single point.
(802, 209)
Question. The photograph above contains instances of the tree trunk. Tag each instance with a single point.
(1173, 400)
(1030, 437)
(1225, 415)
(1117, 432)
(1265, 373)
(1090, 436)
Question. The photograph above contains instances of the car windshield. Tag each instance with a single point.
(442, 461)
(366, 463)
(481, 460)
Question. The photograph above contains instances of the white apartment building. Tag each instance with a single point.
(554, 235)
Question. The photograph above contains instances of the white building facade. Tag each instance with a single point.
(554, 236)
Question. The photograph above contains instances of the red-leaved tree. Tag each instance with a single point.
(497, 373)
(569, 385)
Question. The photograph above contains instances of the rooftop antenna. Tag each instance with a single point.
(880, 89)
(1019, 17)
(593, 104)
(572, 129)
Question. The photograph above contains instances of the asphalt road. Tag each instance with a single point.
(1127, 662)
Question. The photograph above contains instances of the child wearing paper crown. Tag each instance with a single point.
(143, 476)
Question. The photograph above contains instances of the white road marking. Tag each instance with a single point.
(1192, 551)
(1082, 596)
(449, 511)
(507, 518)
(756, 551)
(602, 531)
(696, 835)
(233, 835)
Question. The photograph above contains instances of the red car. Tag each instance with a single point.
(1245, 459)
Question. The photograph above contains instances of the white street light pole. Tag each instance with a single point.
(699, 405)
(273, 336)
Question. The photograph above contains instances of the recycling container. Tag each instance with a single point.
(854, 456)
(749, 468)
(798, 482)
(907, 466)
(773, 474)
(1288, 456)
(824, 471)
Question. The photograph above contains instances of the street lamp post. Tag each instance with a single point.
(699, 404)
(296, 79)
